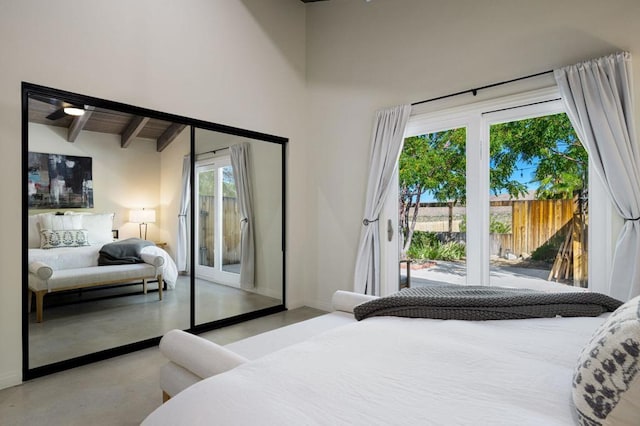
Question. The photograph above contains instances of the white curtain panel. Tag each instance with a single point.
(387, 142)
(598, 95)
(240, 163)
(182, 249)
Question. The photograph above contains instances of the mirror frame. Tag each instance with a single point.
(28, 89)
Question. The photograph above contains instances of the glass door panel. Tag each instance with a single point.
(231, 221)
(538, 204)
(206, 219)
(432, 208)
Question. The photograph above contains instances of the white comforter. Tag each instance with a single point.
(400, 371)
(82, 257)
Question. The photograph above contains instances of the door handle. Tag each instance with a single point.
(389, 230)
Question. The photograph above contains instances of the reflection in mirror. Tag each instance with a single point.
(238, 225)
(88, 170)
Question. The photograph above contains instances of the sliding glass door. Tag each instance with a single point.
(432, 193)
(538, 196)
(520, 198)
(217, 222)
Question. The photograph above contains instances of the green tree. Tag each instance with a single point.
(436, 163)
(549, 143)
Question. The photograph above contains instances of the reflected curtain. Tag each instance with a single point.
(387, 142)
(185, 196)
(241, 167)
(598, 95)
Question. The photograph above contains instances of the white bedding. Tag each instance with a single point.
(86, 256)
(400, 371)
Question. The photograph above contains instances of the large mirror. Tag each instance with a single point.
(138, 222)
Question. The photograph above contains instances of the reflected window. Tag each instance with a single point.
(217, 222)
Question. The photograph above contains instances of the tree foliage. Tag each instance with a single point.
(207, 183)
(436, 163)
(547, 143)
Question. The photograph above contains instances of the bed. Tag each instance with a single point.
(412, 371)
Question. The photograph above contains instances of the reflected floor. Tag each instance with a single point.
(80, 323)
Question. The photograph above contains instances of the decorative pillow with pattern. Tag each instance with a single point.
(50, 238)
(606, 384)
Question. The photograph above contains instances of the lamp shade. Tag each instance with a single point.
(142, 216)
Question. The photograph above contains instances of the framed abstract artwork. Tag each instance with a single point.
(59, 181)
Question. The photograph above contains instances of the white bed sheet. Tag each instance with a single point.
(400, 371)
(86, 256)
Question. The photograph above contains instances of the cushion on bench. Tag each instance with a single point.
(69, 278)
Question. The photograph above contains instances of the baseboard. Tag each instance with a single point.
(10, 379)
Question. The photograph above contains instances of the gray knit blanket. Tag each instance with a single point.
(479, 303)
(122, 252)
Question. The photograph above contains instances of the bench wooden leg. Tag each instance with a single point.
(165, 397)
(160, 285)
(29, 300)
(144, 286)
(39, 304)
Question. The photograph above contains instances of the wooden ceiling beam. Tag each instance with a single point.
(169, 135)
(78, 124)
(132, 130)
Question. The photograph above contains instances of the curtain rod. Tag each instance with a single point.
(214, 151)
(475, 91)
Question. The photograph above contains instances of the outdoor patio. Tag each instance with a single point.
(445, 272)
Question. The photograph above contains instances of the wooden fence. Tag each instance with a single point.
(230, 231)
(534, 222)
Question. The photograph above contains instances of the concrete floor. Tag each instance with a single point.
(118, 391)
(444, 272)
(78, 324)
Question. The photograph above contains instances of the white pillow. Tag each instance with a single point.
(99, 226)
(34, 229)
(606, 384)
(60, 222)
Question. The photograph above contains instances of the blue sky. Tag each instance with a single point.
(524, 174)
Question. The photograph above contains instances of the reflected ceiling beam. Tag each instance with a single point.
(134, 127)
(169, 135)
(78, 124)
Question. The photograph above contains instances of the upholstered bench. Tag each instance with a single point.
(44, 279)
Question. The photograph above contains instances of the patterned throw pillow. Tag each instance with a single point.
(52, 238)
(606, 384)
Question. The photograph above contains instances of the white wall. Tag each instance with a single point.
(239, 62)
(364, 56)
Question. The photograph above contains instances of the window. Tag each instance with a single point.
(217, 222)
(494, 176)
